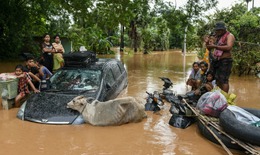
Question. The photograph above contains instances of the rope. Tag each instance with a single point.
(257, 44)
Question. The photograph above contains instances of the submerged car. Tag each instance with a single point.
(103, 79)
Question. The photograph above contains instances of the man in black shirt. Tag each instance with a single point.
(32, 69)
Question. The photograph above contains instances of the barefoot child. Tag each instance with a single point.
(23, 90)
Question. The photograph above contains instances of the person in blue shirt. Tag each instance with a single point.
(44, 74)
(43, 71)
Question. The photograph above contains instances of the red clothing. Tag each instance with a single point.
(222, 41)
(23, 84)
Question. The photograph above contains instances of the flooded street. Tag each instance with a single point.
(152, 136)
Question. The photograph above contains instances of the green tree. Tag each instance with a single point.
(244, 25)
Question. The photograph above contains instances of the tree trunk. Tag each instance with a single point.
(122, 39)
(135, 39)
(133, 36)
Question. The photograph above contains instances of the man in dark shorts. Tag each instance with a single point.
(222, 54)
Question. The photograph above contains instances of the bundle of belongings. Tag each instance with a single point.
(214, 102)
(244, 116)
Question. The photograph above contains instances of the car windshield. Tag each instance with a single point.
(76, 79)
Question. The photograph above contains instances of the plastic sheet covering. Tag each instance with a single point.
(243, 115)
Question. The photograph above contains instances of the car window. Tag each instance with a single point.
(121, 67)
(109, 77)
(116, 70)
(76, 79)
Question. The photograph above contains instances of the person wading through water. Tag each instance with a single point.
(223, 46)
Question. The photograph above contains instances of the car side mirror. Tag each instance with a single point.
(108, 86)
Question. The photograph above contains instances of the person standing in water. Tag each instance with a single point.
(222, 53)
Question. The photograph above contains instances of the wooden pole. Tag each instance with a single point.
(202, 120)
(216, 137)
(248, 148)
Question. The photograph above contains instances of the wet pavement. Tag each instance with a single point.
(152, 136)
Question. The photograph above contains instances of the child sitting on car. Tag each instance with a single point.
(24, 79)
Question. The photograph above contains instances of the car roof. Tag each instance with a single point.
(97, 65)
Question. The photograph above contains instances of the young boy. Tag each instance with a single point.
(23, 90)
(43, 71)
(33, 70)
(44, 74)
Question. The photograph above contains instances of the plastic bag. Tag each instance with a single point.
(181, 121)
(229, 96)
(212, 103)
(243, 116)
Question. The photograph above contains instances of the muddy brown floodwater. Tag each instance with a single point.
(152, 136)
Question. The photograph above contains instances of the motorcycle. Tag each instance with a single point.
(182, 116)
(153, 102)
(167, 92)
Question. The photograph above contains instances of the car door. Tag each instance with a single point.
(109, 83)
(115, 80)
(123, 76)
(120, 77)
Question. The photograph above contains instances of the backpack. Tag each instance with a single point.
(81, 58)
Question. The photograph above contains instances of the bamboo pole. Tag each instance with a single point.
(248, 148)
(216, 137)
(203, 121)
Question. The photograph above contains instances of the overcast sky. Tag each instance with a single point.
(221, 3)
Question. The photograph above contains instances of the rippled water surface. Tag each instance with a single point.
(152, 136)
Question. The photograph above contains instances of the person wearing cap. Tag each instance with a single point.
(222, 53)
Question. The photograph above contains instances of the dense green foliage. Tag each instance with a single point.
(245, 27)
(142, 25)
(97, 24)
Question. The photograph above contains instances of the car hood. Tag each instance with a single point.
(50, 108)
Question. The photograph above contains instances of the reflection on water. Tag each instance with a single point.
(151, 136)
